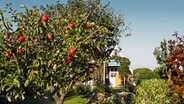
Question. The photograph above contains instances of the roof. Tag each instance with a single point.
(113, 63)
(116, 52)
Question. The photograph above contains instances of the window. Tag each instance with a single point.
(113, 74)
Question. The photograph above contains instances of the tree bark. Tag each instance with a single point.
(60, 100)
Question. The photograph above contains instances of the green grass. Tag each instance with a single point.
(76, 99)
(73, 99)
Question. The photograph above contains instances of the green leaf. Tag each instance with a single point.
(8, 98)
(23, 97)
(17, 96)
(26, 83)
(9, 88)
(38, 93)
(16, 82)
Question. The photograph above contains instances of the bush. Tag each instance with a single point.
(116, 90)
(100, 95)
(82, 89)
(140, 74)
(153, 91)
(147, 76)
(103, 88)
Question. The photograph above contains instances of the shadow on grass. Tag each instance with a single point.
(72, 98)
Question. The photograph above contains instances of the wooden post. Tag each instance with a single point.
(104, 72)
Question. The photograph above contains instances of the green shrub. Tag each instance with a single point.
(116, 90)
(147, 76)
(159, 70)
(141, 74)
(153, 91)
(82, 89)
(103, 88)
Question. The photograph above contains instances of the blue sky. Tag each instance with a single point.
(151, 21)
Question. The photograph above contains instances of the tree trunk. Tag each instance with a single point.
(60, 100)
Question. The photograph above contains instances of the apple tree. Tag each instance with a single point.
(52, 47)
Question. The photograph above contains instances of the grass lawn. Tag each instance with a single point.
(76, 99)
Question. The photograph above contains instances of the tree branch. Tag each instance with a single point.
(54, 92)
(90, 35)
(68, 88)
(5, 23)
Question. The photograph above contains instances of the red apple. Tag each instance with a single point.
(8, 54)
(87, 26)
(20, 51)
(44, 18)
(50, 36)
(7, 35)
(182, 88)
(21, 39)
(36, 40)
(72, 52)
(66, 31)
(72, 25)
(69, 59)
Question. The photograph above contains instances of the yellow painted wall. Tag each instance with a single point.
(118, 80)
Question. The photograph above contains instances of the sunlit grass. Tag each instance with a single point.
(76, 99)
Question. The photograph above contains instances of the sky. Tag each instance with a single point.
(151, 21)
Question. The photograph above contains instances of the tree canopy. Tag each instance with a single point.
(174, 66)
(52, 47)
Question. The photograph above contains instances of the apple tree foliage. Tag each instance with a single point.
(52, 47)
